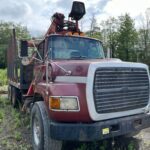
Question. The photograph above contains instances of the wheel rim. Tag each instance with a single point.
(36, 131)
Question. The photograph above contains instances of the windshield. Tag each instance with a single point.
(69, 47)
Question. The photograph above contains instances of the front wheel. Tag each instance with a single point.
(41, 139)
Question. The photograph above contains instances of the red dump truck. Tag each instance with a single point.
(72, 91)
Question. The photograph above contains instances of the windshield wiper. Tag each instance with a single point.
(78, 57)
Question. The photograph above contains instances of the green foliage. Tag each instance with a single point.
(1, 116)
(3, 102)
(3, 77)
(123, 40)
(15, 135)
(3, 48)
(5, 34)
(83, 147)
(109, 34)
(127, 37)
(131, 146)
(96, 35)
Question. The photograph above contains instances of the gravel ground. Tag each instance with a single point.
(143, 139)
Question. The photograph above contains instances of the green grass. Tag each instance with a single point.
(18, 136)
(14, 130)
(3, 77)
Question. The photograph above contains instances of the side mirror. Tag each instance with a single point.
(78, 10)
(24, 49)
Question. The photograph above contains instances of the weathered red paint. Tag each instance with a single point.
(78, 68)
(63, 89)
(30, 90)
(78, 90)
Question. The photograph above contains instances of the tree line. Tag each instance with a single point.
(119, 35)
(5, 35)
(122, 38)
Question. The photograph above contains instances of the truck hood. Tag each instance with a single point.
(76, 67)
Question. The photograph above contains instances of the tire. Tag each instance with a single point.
(14, 101)
(41, 139)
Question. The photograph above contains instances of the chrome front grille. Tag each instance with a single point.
(120, 89)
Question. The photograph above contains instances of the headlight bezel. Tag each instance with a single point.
(64, 98)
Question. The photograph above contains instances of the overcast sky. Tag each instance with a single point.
(36, 14)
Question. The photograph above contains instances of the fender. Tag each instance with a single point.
(65, 89)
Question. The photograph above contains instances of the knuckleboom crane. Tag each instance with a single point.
(61, 26)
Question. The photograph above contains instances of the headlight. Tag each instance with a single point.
(67, 103)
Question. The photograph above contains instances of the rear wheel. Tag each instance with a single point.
(14, 101)
(41, 139)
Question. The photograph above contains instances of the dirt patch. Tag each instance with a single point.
(15, 134)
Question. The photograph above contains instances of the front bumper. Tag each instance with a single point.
(99, 130)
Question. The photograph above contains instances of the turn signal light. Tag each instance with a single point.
(54, 103)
